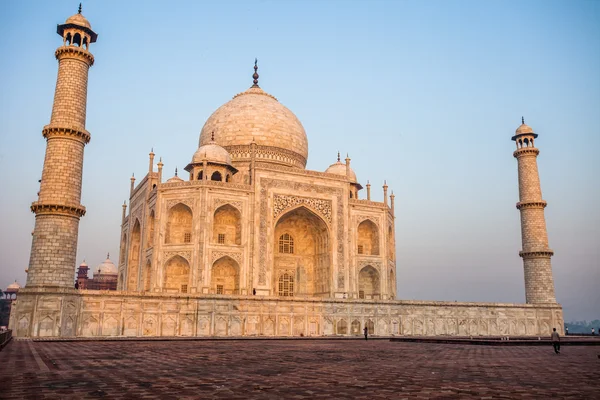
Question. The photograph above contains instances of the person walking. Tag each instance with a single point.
(555, 341)
(593, 333)
(366, 331)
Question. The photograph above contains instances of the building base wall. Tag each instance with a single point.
(71, 313)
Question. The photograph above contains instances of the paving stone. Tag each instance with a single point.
(303, 369)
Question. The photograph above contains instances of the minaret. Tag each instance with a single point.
(539, 285)
(58, 209)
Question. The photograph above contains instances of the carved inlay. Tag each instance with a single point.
(215, 255)
(185, 254)
(187, 202)
(361, 218)
(374, 264)
(281, 203)
(236, 204)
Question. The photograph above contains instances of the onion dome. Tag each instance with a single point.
(211, 152)
(79, 19)
(14, 285)
(339, 168)
(255, 115)
(106, 268)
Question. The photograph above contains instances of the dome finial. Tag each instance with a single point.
(523, 120)
(255, 75)
(79, 11)
(107, 256)
(175, 171)
(338, 156)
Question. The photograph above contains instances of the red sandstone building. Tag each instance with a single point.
(105, 276)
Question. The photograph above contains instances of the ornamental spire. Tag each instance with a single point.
(79, 11)
(523, 120)
(255, 74)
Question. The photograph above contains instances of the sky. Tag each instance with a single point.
(423, 94)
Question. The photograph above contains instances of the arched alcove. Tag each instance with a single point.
(227, 226)
(179, 225)
(176, 275)
(225, 276)
(302, 249)
(368, 238)
(368, 283)
(147, 276)
(134, 257)
(216, 176)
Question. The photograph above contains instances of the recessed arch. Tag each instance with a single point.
(200, 175)
(151, 221)
(179, 224)
(308, 259)
(216, 176)
(227, 225)
(368, 283)
(225, 276)
(147, 275)
(392, 283)
(134, 256)
(77, 39)
(368, 238)
(176, 275)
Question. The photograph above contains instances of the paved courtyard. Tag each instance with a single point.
(294, 369)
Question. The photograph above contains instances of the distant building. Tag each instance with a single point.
(105, 276)
(6, 303)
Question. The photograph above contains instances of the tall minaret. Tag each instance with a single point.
(58, 209)
(539, 285)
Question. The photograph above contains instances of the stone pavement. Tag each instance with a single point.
(294, 369)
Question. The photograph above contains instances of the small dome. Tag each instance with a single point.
(211, 152)
(174, 179)
(106, 268)
(524, 129)
(339, 168)
(80, 20)
(14, 285)
(83, 264)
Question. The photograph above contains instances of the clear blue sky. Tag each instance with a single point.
(425, 94)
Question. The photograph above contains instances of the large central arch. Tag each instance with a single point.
(302, 251)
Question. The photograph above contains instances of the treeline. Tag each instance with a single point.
(583, 326)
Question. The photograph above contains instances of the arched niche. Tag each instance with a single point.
(302, 249)
(216, 176)
(225, 276)
(390, 244)
(147, 276)
(134, 257)
(368, 238)
(123, 249)
(392, 283)
(227, 225)
(176, 275)
(179, 225)
(151, 222)
(368, 283)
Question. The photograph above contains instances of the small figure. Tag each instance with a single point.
(566, 330)
(593, 333)
(555, 341)
(254, 292)
(366, 331)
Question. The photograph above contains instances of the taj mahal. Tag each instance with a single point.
(245, 241)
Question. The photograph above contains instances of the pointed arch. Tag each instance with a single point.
(176, 275)
(368, 238)
(392, 283)
(134, 256)
(147, 275)
(179, 224)
(302, 249)
(216, 176)
(368, 283)
(227, 225)
(151, 222)
(225, 276)
(77, 39)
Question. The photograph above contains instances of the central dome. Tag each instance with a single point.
(256, 116)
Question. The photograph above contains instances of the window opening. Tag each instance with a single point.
(361, 294)
(219, 289)
(286, 244)
(286, 285)
(361, 249)
(183, 288)
(187, 237)
(221, 239)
